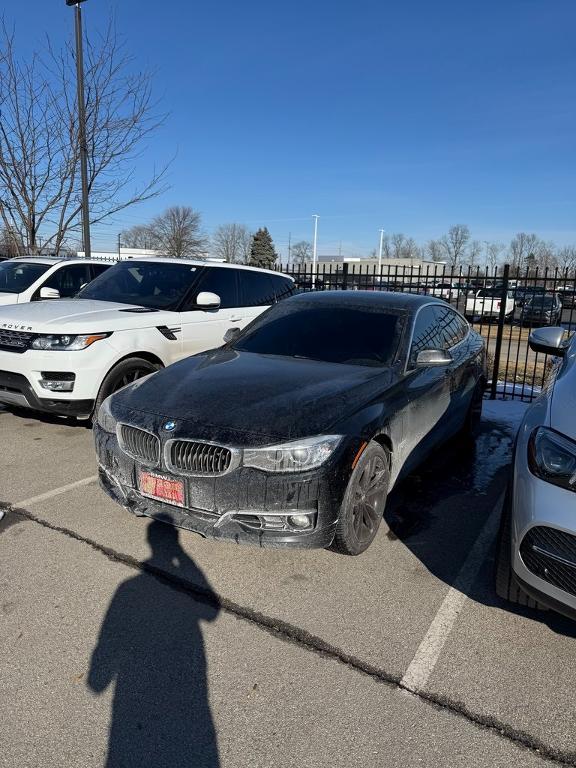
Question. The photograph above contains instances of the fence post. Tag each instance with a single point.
(345, 276)
(500, 332)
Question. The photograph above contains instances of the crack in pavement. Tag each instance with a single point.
(290, 633)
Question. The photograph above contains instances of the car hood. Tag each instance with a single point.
(224, 395)
(80, 316)
(8, 298)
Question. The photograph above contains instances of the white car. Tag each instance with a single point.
(486, 303)
(66, 356)
(34, 278)
(444, 290)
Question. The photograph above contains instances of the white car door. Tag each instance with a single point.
(205, 328)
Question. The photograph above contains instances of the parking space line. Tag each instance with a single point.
(422, 665)
(56, 492)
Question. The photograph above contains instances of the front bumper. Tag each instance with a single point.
(16, 390)
(221, 507)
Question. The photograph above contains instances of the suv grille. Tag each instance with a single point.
(139, 444)
(15, 341)
(199, 458)
(551, 555)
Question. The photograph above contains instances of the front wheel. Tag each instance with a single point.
(126, 372)
(364, 501)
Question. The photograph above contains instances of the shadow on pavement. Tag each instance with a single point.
(438, 512)
(151, 648)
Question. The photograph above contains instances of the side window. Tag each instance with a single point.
(427, 334)
(69, 279)
(283, 287)
(256, 289)
(219, 280)
(98, 269)
(449, 326)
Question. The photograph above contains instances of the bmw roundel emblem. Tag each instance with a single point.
(169, 426)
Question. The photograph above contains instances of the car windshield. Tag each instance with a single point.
(541, 301)
(490, 293)
(354, 335)
(18, 276)
(146, 284)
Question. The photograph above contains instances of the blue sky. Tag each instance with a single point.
(410, 115)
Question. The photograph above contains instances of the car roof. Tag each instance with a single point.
(409, 302)
(52, 261)
(202, 263)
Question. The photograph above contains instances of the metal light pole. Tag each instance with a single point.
(314, 253)
(82, 127)
(380, 252)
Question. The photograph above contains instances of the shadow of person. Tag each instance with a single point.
(150, 645)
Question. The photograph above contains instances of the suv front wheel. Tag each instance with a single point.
(126, 372)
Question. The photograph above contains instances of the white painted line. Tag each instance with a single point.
(56, 492)
(429, 650)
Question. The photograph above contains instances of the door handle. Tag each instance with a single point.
(236, 319)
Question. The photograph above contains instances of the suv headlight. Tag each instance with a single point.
(105, 418)
(66, 343)
(296, 456)
(552, 457)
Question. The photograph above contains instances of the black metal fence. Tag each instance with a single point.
(503, 304)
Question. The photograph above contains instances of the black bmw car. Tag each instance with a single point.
(294, 432)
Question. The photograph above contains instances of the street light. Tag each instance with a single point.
(82, 127)
(314, 255)
(380, 252)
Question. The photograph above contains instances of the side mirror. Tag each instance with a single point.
(207, 300)
(550, 341)
(49, 293)
(433, 358)
(231, 334)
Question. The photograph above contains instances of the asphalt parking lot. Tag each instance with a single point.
(125, 638)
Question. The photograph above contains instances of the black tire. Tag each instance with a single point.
(504, 581)
(121, 375)
(471, 425)
(364, 501)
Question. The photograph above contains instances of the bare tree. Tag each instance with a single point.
(474, 252)
(397, 245)
(301, 252)
(232, 242)
(493, 252)
(566, 258)
(11, 243)
(177, 233)
(434, 250)
(39, 154)
(455, 244)
(138, 236)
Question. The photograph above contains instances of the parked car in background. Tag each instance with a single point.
(65, 357)
(544, 309)
(536, 557)
(567, 296)
(444, 290)
(486, 303)
(294, 432)
(524, 293)
(34, 278)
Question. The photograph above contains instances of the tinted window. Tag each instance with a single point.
(451, 326)
(256, 288)
(334, 334)
(17, 276)
(98, 269)
(219, 280)
(427, 333)
(147, 284)
(541, 301)
(283, 287)
(68, 280)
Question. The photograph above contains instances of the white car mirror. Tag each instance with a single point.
(207, 300)
(49, 293)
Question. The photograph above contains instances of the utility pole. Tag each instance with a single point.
(380, 252)
(82, 126)
(119, 243)
(314, 249)
(289, 248)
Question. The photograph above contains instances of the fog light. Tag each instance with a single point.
(299, 521)
(57, 386)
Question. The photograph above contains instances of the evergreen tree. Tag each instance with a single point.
(262, 252)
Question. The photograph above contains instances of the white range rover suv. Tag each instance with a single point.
(32, 278)
(64, 357)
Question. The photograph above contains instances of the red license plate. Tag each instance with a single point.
(162, 488)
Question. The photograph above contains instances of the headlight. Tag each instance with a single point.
(296, 456)
(552, 457)
(105, 418)
(66, 343)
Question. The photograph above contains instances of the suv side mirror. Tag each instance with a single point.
(208, 300)
(433, 358)
(550, 341)
(231, 334)
(49, 293)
